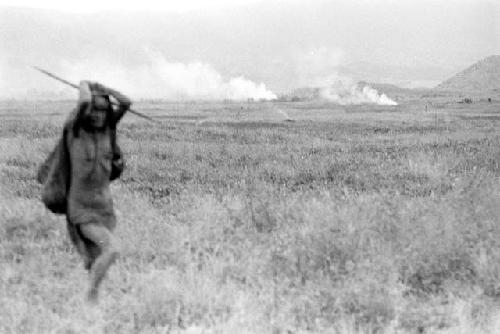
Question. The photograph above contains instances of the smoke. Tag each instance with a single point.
(318, 68)
(150, 77)
(159, 78)
(349, 94)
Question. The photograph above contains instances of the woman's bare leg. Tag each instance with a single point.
(104, 240)
(80, 245)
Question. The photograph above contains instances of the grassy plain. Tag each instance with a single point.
(267, 218)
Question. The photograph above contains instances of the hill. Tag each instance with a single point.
(480, 77)
(390, 90)
(399, 75)
(394, 90)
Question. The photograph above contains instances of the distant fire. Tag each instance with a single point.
(158, 77)
(349, 94)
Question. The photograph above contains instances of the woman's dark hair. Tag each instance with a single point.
(82, 107)
(109, 109)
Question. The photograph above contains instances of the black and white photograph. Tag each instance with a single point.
(250, 167)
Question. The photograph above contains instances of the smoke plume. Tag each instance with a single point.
(348, 94)
(159, 78)
(151, 77)
(318, 68)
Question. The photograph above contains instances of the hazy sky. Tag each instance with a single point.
(194, 48)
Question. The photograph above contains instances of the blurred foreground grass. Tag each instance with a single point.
(234, 219)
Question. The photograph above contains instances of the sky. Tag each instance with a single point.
(239, 49)
(92, 6)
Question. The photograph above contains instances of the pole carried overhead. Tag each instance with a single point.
(75, 86)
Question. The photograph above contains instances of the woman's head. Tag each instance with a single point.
(99, 111)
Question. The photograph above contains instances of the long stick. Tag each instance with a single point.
(75, 86)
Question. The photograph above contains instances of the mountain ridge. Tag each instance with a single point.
(483, 75)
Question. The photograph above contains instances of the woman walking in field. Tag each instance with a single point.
(77, 175)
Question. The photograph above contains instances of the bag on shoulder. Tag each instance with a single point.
(54, 175)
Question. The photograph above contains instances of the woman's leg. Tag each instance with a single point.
(102, 238)
(80, 244)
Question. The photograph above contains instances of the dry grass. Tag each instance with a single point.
(233, 220)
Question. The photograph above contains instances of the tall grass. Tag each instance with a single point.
(234, 221)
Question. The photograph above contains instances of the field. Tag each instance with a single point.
(275, 218)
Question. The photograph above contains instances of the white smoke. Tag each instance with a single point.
(350, 94)
(318, 68)
(159, 78)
